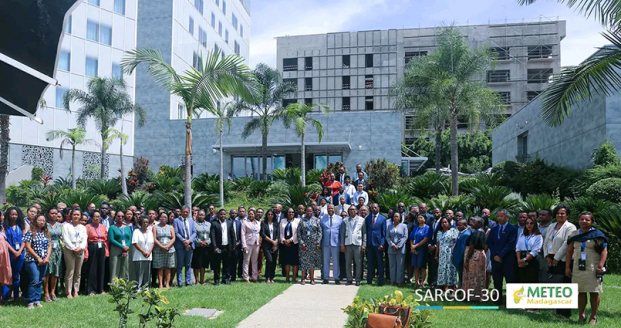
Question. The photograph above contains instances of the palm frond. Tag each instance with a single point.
(607, 12)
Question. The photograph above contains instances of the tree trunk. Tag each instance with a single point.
(438, 150)
(264, 151)
(221, 172)
(103, 157)
(4, 154)
(73, 179)
(303, 163)
(123, 181)
(454, 157)
(188, 161)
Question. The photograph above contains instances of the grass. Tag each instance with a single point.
(237, 300)
(609, 314)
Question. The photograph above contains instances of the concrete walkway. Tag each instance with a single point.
(305, 307)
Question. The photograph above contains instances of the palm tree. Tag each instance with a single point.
(106, 101)
(216, 78)
(265, 106)
(224, 115)
(447, 83)
(114, 134)
(73, 137)
(5, 137)
(598, 75)
(295, 114)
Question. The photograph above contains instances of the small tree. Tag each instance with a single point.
(73, 137)
(382, 173)
(114, 134)
(606, 154)
(224, 116)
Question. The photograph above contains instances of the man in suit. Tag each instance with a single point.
(237, 257)
(359, 170)
(501, 243)
(222, 237)
(423, 209)
(362, 181)
(353, 244)
(212, 214)
(460, 247)
(376, 237)
(342, 206)
(337, 197)
(432, 264)
(185, 233)
(340, 177)
(330, 242)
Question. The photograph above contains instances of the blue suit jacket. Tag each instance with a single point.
(376, 234)
(503, 246)
(180, 231)
(330, 233)
(460, 248)
(335, 199)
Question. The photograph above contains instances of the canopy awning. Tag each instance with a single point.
(285, 148)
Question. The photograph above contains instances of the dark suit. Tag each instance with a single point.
(376, 237)
(336, 199)
(340, 178)
(432, 264)
(222, 259)
(501, 243)
(237, 256)
(365, 185)
(266, 246)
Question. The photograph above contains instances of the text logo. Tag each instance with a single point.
(542, 296)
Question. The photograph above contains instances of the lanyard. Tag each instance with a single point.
(526, 239)
(98, 233)
(583, 246)
(271, 227)
(77, 233)
(121, 230)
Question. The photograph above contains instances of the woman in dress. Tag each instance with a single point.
(447, 273)
(54, 266)
(39, 249)
(97, 253)
(475, 260)
(588, 247)
(14, 229)
(419, 237)
(270, 233)
(527, 249)
(164, 252)
(202, 250)
(309, 236)
(75, 240)
(120, 236)
(289, 245)
(250, 232)
(6, 275)
(143, 242)
(396, 237)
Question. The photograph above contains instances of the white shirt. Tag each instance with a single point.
(145, 240)
(74, 236)
(350, 190)
(225, 235)
(359, 194)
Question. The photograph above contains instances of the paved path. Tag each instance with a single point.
(305, 307)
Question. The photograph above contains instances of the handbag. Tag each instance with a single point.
(377, 320)
(403, 313)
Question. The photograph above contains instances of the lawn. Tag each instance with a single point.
(238, 301)
(609, 314)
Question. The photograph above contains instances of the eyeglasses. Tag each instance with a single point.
(530, 223)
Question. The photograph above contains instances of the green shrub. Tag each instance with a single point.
(110, 188)
(429, 185)
(37, 173)
(595, 174)
(382, 173)
(606, 189)
(461, 203)
(606, 154)
(392, 197)
(18, 196)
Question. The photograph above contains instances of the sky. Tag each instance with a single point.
(273, 18)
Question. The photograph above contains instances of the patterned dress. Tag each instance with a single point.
(56, 258)
(163, 259)
(447, 273)
(476, 267)
(309, 234)
(6, 274)
(39, 245)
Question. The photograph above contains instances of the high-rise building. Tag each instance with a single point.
(97, 34)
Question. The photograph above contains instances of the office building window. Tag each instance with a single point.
(224, 7)
(202, 37)
(199, 5)
(414, 54)
(91, 66)
(105, 35)
(308, 63)
(216, 48)
(220, 28)
(119, 7)
(345, 61)
(181, 112)
(368, 81)
(346, 83)
(191, 26)
(539, 75)
(241, 30)
(197, 61)
(218, 3)
(60, 94)
(530, 95)
(293, 82)
(308, 101)
(539, 52)
(94, 2)
(290, 64)
(368, 60)
(287, 102)
(92, 31)
(234, 19)
(68, 26)
(500, 53)
(346, 103)
(498, 76)
(117, 71)
(213, 20)
(368, 102)
(409, 122)
(308, 84)
(522, 151)
(505, 98)
(64, 61)
(226, 36)
(237, 48)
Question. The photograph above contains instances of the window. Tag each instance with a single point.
(530, 95)
(498, 76)
(290, 64)
(60, 94)
(119, 7)
(226, 36)
(409, 122)
(105, 35)
(500, 53)
(218, 2)
(234, 19)
(241, 30)
(91, 66)
(539, 52)
(237, 48)
(216, 48)
(64, 61)
(181, 111)
(94, 2)
(308, 63)
(202, 37)
(539, 75)
(197, 62)
(199, 5)
(68, 26)
(308, 101)
(220, 28)
(117, 71)
(213, 20)
(368, 102)
(224, 7)
(505, 98)
(92, 31)
(346, 83)
(368, 81)
(287, 102)
(191, 26)
(308, 84)
(368, 60)
(522, 143)
(414, 54)
(291, 81)
(346, 103)
(345, 61)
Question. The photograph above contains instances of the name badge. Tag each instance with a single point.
(123, 243)
(551, 244)
(205, 236)
(308, 233)
(583, 256)
(54, 244)
(16, 246)
(165, 240)
(99, 244)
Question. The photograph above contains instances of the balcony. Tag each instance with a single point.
(346, 86)
(368, 85)
(290, 67)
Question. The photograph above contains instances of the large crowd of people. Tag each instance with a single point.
(78, 250)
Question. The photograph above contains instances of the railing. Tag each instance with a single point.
(346, 107)
(368, 85)
(290, 68)
(308, 88)
(346, 86)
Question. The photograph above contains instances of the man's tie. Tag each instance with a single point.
(330, 229)
(185, 228)
(374, 218)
